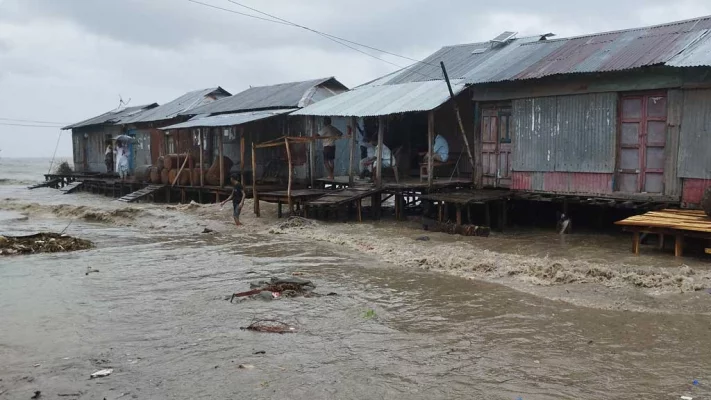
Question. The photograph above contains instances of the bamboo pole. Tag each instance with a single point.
(459, 116)
(312, 148)
(291, 173)
(351, 147)
(430, 147)
(241, 155)
(381, 133)
(202, 150)
(255, 195)
(181, 169)
(222, 162)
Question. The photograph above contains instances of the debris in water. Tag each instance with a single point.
(260, 352)
(286, 287)
(270, 326)
(246, 366)
(41, 243)
(37, 395)
(90, 270)
(686, 398)
(101, 373)
(452, 229)
(423, 238)
(208, 230)
(292, 222)
(369, 314)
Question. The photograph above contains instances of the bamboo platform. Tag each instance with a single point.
(464, 198)
(349, 196)
(297, 198)
(677, 223)
(72, 187)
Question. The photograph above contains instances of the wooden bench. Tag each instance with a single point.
(452, 160)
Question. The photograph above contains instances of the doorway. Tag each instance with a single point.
(496, 145)
(643, 133)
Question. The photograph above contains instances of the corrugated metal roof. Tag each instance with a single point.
(679, 44)
(285, 95)
(113, 117)
(182, 104)
(369, 101)
(228, 119)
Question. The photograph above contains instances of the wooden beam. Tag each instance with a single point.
(635, 242)
(255, 195)
(291, 173)
(430, 146)
(311, 124)
(222, 163)
(459, 116)
(241, 154)
(381, 132)
(181, 169)
(202, 150)
(351, 148)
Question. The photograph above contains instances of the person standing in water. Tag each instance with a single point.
(237, 196)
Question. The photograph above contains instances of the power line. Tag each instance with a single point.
(329, 35)
(30, 126)
(335, 39)
(33, 121)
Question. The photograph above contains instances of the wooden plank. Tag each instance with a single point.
(430, 144)
(381, 132)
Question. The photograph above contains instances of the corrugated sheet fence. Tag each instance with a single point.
(695, 140)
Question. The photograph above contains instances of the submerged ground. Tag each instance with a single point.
(527, 314)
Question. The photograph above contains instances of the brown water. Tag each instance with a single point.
(156, 313)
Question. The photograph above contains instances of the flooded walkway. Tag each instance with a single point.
(156, 312)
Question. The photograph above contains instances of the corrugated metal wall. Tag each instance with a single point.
(89, 150)
(565, 133)
(563, 182)
(694, 191)
(141, 148)
(695, 140)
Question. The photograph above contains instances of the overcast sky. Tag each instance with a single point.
(67, 60)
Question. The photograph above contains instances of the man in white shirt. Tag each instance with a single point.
(370, 163)
(440, 149)
(330, 134)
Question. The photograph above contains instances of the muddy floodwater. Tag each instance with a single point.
(448, 318)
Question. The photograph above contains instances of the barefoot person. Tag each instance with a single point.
(330, 133)
(237, 196)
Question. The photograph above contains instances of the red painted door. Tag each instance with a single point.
(642, 141)
(496, 146)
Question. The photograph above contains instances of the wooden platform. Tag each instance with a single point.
(141, 193)
(463, 198)
(677, 223)
(53, 183)
(297, 198)
(72, 187)
(349, 196)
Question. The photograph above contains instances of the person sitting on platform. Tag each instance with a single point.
(370, 164)
(440, 150)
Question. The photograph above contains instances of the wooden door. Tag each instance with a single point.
(643, 121)
(496, 146)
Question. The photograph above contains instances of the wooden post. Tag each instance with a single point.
(241, 155)
(441, 211)
(477, 174)
(311, 123)
(635, 243)
(255, 195)
(202, 150)
(459, 215)
(222, 164)
(459, 116)
(291, 173)
(360, 210)
(430, 145)
(180, 170)
(351, 148)
(679, 245)
(381, 133)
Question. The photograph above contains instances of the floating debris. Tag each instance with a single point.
(278, 287)
(101, 373)
(245, 366)
(270, 326)
(41, 243)
(452, 229)
(292, 222)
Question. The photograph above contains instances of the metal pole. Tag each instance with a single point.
(459, 116)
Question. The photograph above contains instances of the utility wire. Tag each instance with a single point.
(34, 121)
(30, 125)
(329, 35)
(335, 39)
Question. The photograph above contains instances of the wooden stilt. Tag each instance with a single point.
(279, 209)
(459, 215)
(679, 245)
(255, 194)
(241, 155)
(441, 211)
(291, 174)
(635, 243)
(359, 205)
